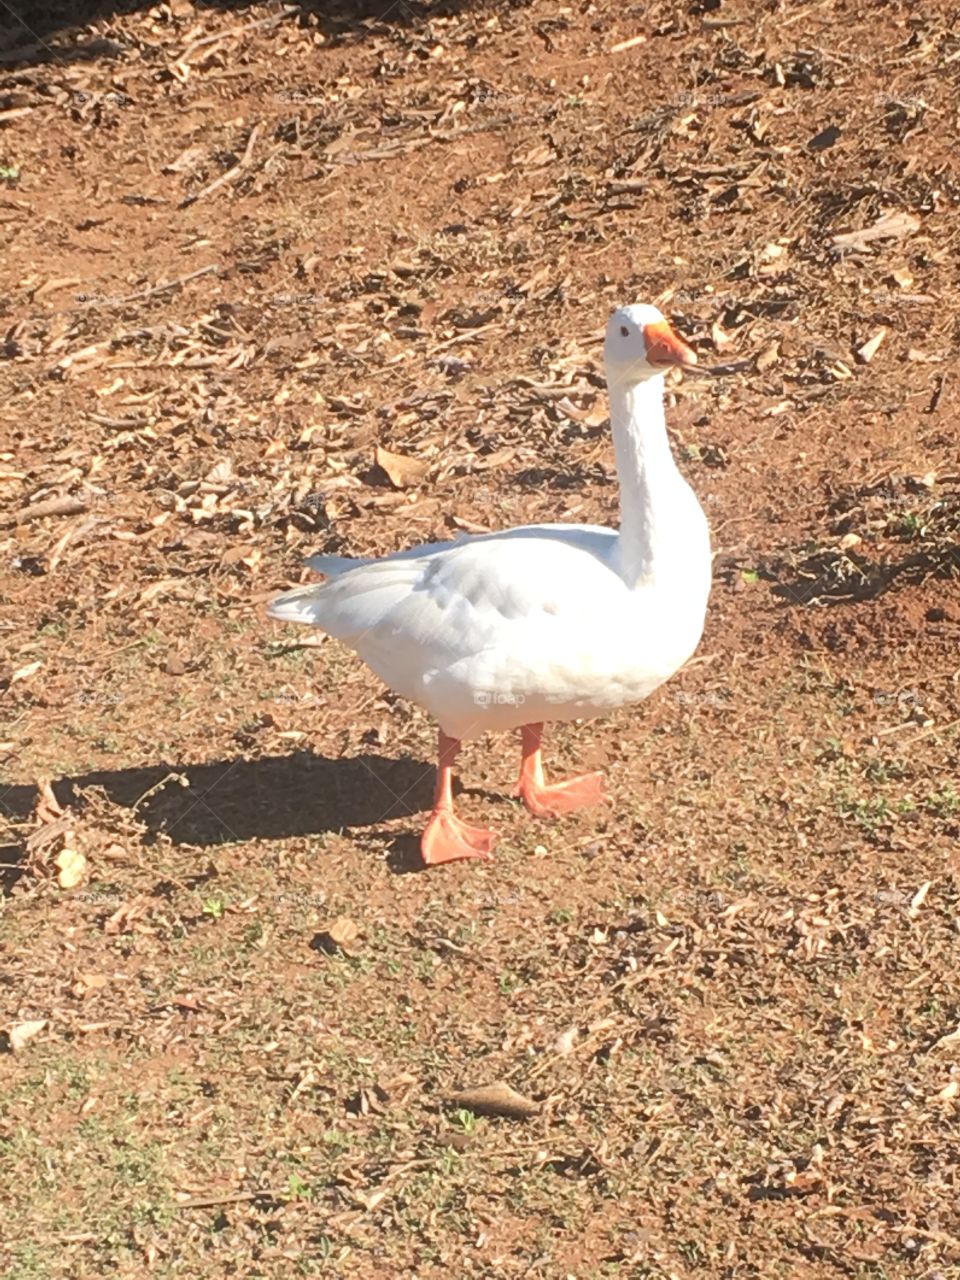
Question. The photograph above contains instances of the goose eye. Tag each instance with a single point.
(624, 331)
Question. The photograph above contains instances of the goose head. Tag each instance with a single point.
(641, 344)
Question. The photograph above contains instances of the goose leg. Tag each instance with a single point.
(561, 797)
(448, 838)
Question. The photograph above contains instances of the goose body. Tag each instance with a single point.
(541, 622)
(535, 623)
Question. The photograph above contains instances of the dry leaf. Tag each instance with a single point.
(498, 458)
(71, 867)
(126, 916)
(15, 1037)
(496, 1100)
(86, 984)
(402, 472)
(338, 937)
(952, 1037)
(768, 356)
(235, 555)
(48, 807)
(158, 589)
(719, 338)
(343, 930)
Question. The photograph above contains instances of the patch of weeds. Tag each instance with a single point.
(508, 982)
(870, 815)
(944, 803)
(464, 1120)
(324, 1248)
(691, 1252)
(253, 933)
(336, 1141)
(28, 1263)
(909, 526)
(880, 771)
(76, 1077)
(425, 965)
(300, 1190)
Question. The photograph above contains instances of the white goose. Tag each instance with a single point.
(542, 622)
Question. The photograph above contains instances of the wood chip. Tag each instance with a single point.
(623, 45)
(66, 506)
(870, 348)
(918, 899)
(13, 1038)
(54, 286)
(892, 226)
(25, 672)
(496, 1100)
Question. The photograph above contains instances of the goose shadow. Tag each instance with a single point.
(233, 801)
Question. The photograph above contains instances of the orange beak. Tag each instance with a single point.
(664, 348)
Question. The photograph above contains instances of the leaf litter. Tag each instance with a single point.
(393, 239)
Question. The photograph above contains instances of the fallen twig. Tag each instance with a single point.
(157, 288)
(261, 24)
(236, 1197)
(66, 506)
(73, 534)
(229, 176)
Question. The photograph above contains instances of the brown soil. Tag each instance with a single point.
(243, 246)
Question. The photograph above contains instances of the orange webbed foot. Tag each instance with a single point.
(550, 801)
(448, 838)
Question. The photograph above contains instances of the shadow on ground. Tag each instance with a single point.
(237, 800)
(63, 31)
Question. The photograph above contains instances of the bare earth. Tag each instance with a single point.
(246, 246)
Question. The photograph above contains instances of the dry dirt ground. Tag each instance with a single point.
(244, 247)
